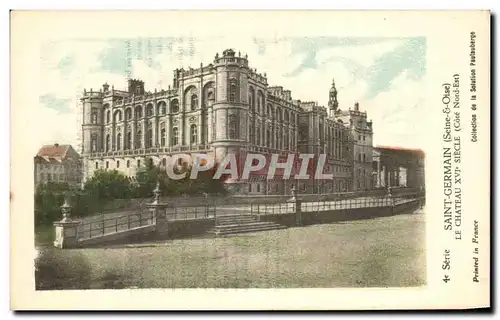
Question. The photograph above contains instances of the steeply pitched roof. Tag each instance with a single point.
(57, 151)
(400, 149)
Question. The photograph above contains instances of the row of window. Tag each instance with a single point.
(361, 157)
(58, 177)
(283, 141)
(138, 139)
(117, 117)
(161, 109)
(361, 138)
(138, 163)
(364, 172)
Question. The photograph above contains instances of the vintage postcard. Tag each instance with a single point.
(250, 160)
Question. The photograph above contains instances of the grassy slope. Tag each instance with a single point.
(380, 252)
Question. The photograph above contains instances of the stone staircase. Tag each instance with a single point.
(234, 224)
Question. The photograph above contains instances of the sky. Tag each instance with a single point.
(385, 75)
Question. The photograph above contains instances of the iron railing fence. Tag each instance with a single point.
(312, 205)
(105, 225)
(174, 212)
(108, 223)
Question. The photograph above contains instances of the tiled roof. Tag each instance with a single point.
(56, 152)
(389, 148)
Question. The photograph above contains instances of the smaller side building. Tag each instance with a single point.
(398, 167)
(58, 163)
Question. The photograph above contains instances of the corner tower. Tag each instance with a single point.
(230, 107)
(92, 124)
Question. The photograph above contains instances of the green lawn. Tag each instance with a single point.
(381, 252)
(44, 235)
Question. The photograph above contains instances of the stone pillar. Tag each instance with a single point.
(154, 127)
(208, 139)
(124, 137)
(168, 127)
(379, 174)
(298, 213)
(113, 134)
(144, 132)
(66, 229)
(158, 213)
(134, 132)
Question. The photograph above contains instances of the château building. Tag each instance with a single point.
(225, 107)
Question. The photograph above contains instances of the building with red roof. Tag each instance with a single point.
(58, 163)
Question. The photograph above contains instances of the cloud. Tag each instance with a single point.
(52, 102)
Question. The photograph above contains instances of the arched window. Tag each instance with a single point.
(162, 138)
(108, 116)
(232, 127)
(128, 114)
(359, 157)
(286, 141)
(108, 142)
(118, 116)
(210, 98)
(138, 140)
(287, 118)
(128, 143)
(269, 111)
(118, 141)
(162, 108)
(233, 90)
(278, 114)
(175, 136)
(138, 112)
(251, 99)
(194, 102)
(149, 110)
(194, 134)
(93, 145)
(174, 106)
(268, 138)
(94, 116)
(149, 138)
(260, 102)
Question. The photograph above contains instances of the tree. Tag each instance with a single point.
(48, 199)
(108, 185)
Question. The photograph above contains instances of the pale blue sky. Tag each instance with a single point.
(409, 56)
